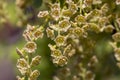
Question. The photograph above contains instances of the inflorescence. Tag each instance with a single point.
(72, 27)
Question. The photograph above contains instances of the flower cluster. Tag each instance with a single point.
(116, 38)
(26, 62)
(73, 27)
(69, 29)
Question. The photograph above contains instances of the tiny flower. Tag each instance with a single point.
(89, 15)
(34, 75)
(52, 47)
(30, 28)
(75, 77)
(42, 14)
(25, 71)
(20, 53)
(109, 28)
(93, 61)
(88, 2)
(116, 37)
(60, 40)
(53, 26)
(67, 13)
(89, 75)
(27, 36)
(79, 32)
(105, 8)
(30, 47)
(118, 64)
(55, 78)
(71, 53)
(22, 63)
(117, 54)
(55, 6)
(118, 21)
(50, 33)
(65, 71)
(97, 2)
(62, 60)
(68, 1)
(118, 2)
(55, 14)
(96, 12)
(71, 31)
(36, 60)
(67, 49)
(19, 78)
(56, 53)
(38, 33)
(64, 25)
(103, 21)
(92, 27)
(93, 15)
(80, 18)
(73, 7)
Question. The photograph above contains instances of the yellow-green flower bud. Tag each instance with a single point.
(34, 75)
(55, 78)
(88, 2)
(118, 21)
(67, 49)
(80, 18)
(118, 2)
(89, 76)
(73, 7)
(38, 33)
(30, 47)
(67, 13)
(95, 2)
(62, 60)
(20, 53)
(104, 8)
(19, 78)
(109, 28)
(60, 40)
(116, 37)
(55, 6)
(64, 25)
(50, 33)
(75, 77)
(36, 61)
(42, 14)
(56, 53)
(92, 27)
(55, 14)
(79, 32)
(117, 54)
(22, 63)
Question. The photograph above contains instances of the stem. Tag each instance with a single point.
(116, 26)
(46, 21)
(81, 2)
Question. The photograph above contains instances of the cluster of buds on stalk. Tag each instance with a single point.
(27, 60)
(115, 43)
(73, 27)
